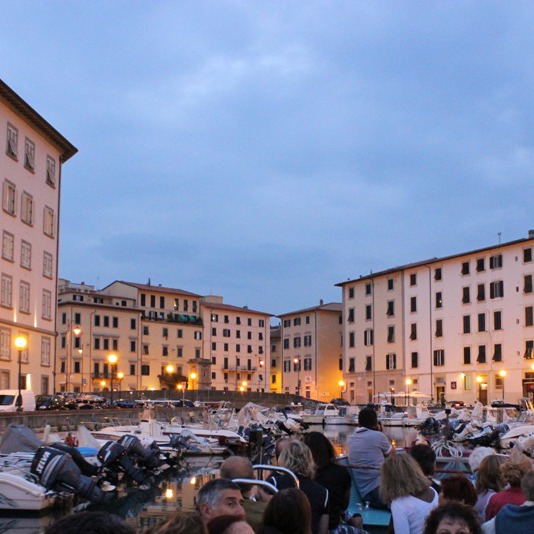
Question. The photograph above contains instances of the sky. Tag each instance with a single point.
(267, 150)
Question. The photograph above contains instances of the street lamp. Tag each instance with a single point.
(409, 382)
(262, 363)
(21, 342)
(193, 377)
(296, 361)
(76, 331)
(479, 380)
(181, 388)
(502, 374)
(169, 369)
(341, 385)
(120, 376)
(112, 359)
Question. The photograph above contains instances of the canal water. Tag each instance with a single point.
(144, 507)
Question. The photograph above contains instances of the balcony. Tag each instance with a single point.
(238, 368)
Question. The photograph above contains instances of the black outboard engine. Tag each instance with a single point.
(114, 454)
(134, 448)
(87, 469)
(56, 470)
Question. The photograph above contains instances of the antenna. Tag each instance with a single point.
(499, 234)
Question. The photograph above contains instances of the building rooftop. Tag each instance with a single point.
(229, 307)
(329, 307)
(157, 288)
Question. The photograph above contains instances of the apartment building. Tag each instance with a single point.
(456, 328)
(236, 341)
(312, 351)
(30, 171)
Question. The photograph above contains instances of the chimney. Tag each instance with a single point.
(530, 234)
(321, 302)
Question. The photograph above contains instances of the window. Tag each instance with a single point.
(50, 171)
(24, 297)
(527, 283)
(287, 323)
(179, 352)
(9, 197)
(497, 352)
(351, 292)
(133, 345)
(5, 344)
(529, 317)
(165, 332)
(307, 340)
(390, 312)
(307, 364)
(226, 319)
(197, 335)
(497, 320)
(145, 370)
(164, 350)
(29, 155)
(439, 299)
(481, 293)
(180, 333)
(439, 328)
(48, 221)
(413, 279)
(12, 146)
(368, 363)
(527, 255)
(391, 284)
(437, 274)
(481, 322)
(8, 246)
(152, 301)
(467, 324)
(466, 295)
(413, 331)
(465, 268)
(439, 358)
(481, 358)
(497, 289)
(26, 209)
(415, 359)
(226, 332)
(296, 322)
(132, 369)
(133, 324)
(106, 321)
(368, 289)
(45, 351)
(391, 334)
(350, 318)
(495, 261)
(368, 312)
(481, 265)
(47, 304)
(467, 355)
(6, 297)
(368, 337)
(529, 349)
(287, 366)
(391, 361)
(413, 304)
(143, 299)
(162, 303)
(286, 343)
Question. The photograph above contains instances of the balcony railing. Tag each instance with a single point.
(238, 368)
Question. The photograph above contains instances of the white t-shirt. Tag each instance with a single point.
(409, 513)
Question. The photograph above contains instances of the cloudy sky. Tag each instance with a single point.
(266, 150)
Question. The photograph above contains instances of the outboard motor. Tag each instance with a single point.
(56, 470)
(87, 469)
(134, 448)
(113, 453)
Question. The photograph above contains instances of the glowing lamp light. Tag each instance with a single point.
(502, 373)
(479, 379)
(193, 480)
(120, 376)
(341, 383)
(169, 493)
(169, 368)
(193, 376)
(113, 359)
(21, 342)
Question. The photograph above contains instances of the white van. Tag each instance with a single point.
(8, 400)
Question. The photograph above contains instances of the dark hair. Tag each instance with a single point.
(425, 456)
(181, 523)
(90, 523)
(288, 512)
(368, 418)
(218, 525)
(322, 449)
(209, 492)
(452, 510)
(459, 488)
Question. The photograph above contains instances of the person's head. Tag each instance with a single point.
(229, 524)
(238, 467)
(367, 418)
(425, 456)
(401, 476)
(288, 512)
(321, 448)
(489, 474)
(476, 457)
(279, 446)
(90, 523)
(514, 468)
(182, 523)
(219, 497)
(452, 518)
(527, 486)
(458, 488)
(298, 458)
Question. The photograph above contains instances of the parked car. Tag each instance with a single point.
(8, 400)
(340, 402)
(183, 403)
(125, 403)
(49, 402)
(455, 404)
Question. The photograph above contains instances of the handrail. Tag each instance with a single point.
(279, 469)
(254, 482)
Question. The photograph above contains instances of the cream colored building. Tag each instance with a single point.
(276, 359)
(312, 352)
(236, 341)
(31, 159)
(458, 327)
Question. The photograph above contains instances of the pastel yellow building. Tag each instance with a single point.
(31, 160)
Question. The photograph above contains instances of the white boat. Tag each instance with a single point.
(330, 414)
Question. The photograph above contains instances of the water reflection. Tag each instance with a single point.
(143, 507)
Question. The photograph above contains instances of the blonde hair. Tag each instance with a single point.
(515, 467)
(297, 457)
(401, 476)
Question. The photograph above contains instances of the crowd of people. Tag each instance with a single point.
(313, 498)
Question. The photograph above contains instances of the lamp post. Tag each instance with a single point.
(502, 374)
(296, 361)
(479, 380)
(193, 377)
(76, 331)
(180, 387)
(169, 369)
(341, 385)
(120, 376)
(409, 382)
(21, 342)
(112, 359)
(262, 363)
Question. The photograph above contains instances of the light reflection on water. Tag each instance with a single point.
(176, 490)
